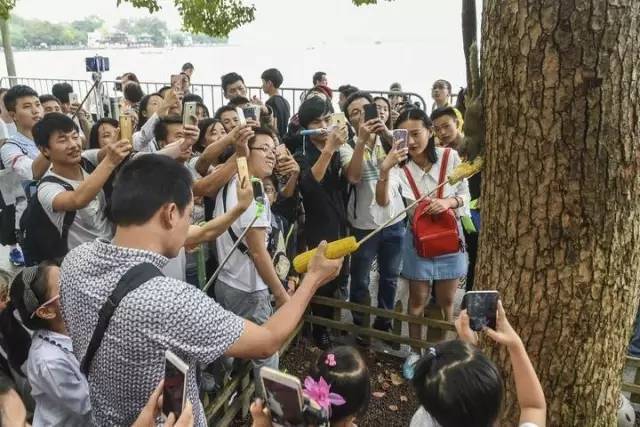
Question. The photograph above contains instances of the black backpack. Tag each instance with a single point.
(40, 238)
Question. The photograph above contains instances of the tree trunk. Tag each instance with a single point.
(8, 50)
(561, 221)
(469, 36)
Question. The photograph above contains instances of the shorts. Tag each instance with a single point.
(444, 267)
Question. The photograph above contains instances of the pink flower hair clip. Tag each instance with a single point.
(330, 360)
(320, 392)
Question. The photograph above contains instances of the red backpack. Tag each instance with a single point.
(434, 235)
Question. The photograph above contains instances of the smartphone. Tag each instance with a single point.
(126, 128)
(250, 113)
(281, 150)
(283, 395)
(258, 190)
(241, 119)
(74, 98)
(482, 308)
(337, 120)
(243, 169)
(370, 112)
(189, 113)
(177, 82)
(402, 136)
(174, 392)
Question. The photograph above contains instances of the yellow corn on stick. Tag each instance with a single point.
(336, 249)
(349, 245)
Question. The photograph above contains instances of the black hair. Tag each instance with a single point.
(274, 76)
(418, 114)
(161, 131)
(48, 98)
(239, 101)
(27, 293)
(94, 139)
(204, 126)
(142, 109)
(261, 131)
(163, 89)
(192, 97)
(187, 66)
(348, 377)
(15, 93)
(182, 73)
(145, 184)
(51, 123)
(317, 76)
(131, 77)
(444, 111)
(389, 122)
(347, 90)
(353, 97)
(458, 385)
(312, 109)
(206, 109)
(62, 91)
(132, 92)
(229, 79)
(444, 82)
(223, 109)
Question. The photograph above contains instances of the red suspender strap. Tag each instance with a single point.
(412, 183)
(443, 171)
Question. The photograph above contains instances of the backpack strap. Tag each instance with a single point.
(87, 165)
(412, 182)
(443, 171)
(69, 216)
(234, 238)
(130, 281)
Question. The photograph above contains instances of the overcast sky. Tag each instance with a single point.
(299, 21)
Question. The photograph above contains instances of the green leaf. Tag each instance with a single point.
(5, 8)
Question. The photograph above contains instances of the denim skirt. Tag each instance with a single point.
(443, 267)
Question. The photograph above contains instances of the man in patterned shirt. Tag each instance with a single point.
(151, 205)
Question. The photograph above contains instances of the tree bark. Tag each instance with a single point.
(560, 234)
(8, 50)
(469, 36)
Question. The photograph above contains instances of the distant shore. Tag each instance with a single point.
(113, 47)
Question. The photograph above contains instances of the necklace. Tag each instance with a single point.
(53, 342)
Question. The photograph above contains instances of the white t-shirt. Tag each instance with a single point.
(240, 272)
(90, 222)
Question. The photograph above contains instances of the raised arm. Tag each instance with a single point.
(336, 138)
(394, 157)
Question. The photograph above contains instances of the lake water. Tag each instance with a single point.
(372, 66)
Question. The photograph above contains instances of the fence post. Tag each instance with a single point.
(434, 312)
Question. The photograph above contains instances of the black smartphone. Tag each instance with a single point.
(174, 393)
(482, 308)
(258, 190)
(370, 112)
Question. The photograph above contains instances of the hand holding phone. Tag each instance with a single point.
(258, 190)
(370, 112)
(126, 128)
(174, 393)
(482, 308)
(189, 113)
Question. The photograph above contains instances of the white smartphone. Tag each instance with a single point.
(338, 119)
(283, 394)
(74, 98)
(241, 119)
(174, 392)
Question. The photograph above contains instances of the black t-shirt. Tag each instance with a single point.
(281, 111)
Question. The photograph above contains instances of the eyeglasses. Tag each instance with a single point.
(265, 149)
(44, 304)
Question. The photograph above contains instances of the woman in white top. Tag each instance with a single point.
(457, 385)
(59, 389)
(424, 167)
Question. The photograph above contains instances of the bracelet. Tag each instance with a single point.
(460, 202)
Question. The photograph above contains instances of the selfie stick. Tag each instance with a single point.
(95, 85)
(234, 247)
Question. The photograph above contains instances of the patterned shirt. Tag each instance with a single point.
(161, 314)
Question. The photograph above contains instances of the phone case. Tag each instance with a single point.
(126, 128)
(243, 168)
(189, 115)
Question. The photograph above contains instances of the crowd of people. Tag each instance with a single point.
(117, 235)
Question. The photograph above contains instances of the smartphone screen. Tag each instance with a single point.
(482, 307)
(283, 402)
(258, 190)
(249, 113)
(402, 136)
(370, 112)
(176, 82)
(173, 391)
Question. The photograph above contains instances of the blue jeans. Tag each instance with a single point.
(387, 247)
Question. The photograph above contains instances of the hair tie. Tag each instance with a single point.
(432, 352)
(330, 360)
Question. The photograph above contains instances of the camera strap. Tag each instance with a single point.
(130, 281)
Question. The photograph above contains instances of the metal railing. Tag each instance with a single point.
(212, 94)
